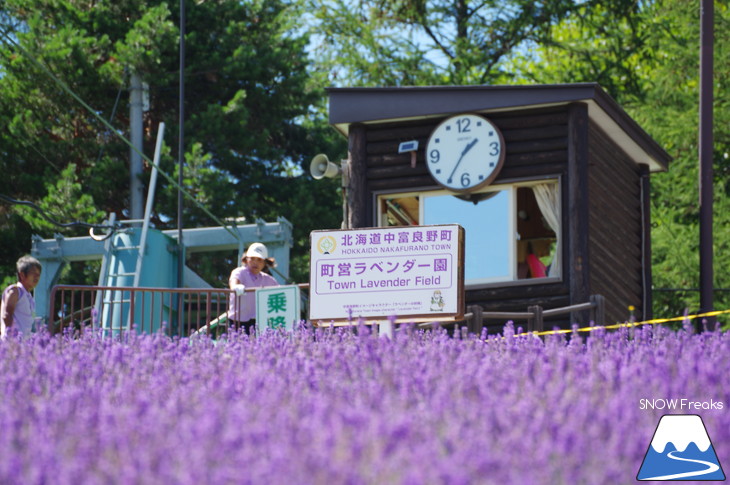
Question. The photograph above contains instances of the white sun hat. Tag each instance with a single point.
(257, 250)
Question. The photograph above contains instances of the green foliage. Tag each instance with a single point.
(603, 42)
(248, 100)
(206, 183)
(671, 115)
(145, 45)
(648, 59)
(64, 198)
(418, 42)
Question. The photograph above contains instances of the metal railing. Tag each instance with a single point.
(112, 310)
(183, 311)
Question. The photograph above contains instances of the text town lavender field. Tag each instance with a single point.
(334, 407)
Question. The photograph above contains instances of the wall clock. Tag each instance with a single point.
(465, 152)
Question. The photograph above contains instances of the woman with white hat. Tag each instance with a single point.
(242, 308)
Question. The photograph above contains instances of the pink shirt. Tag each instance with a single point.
(243, 308)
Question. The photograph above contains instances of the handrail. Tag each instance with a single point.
(114, 309)
(535, 314)
(572, 308)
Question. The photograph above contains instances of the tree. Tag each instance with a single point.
(648, 59)
(248, 101)
(671, 114)
(603, 42)
(420, 42)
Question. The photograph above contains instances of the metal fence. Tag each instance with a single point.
(183, 311)
(112, 310)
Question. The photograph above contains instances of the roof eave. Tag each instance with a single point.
(376, 105)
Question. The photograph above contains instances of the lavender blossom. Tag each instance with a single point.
(335, 406)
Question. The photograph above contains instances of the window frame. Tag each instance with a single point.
(511, 186)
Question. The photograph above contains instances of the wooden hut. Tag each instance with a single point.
(565, 216)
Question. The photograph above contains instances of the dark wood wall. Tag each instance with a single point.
(615, 235)
(601, 216)
(536, 144)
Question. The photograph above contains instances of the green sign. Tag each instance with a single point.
(277, 307)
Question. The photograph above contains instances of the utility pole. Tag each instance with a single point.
(705, 155)
(181, 151)
(136, 109)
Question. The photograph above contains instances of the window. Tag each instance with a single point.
(511, 230)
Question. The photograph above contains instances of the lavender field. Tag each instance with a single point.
(323, 407)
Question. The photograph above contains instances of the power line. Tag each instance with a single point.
(110, 127)
(53, 221)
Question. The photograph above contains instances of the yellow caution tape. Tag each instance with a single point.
(627, 324)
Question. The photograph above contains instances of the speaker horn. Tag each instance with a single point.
(321, 167)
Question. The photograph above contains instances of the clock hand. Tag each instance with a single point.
(468, 147)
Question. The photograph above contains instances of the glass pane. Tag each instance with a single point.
(399, 210)
(488, 232)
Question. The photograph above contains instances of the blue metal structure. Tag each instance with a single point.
(125, 263)
(157, 269)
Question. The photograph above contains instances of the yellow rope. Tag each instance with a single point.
(627, 324)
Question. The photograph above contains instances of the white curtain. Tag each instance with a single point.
(548, 198)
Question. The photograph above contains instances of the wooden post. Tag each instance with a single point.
(647, 296)
(357, 181)
(535, 324)
(476, 322)
(576, 261)
(598, 312)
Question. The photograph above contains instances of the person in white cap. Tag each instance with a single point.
(250, 275)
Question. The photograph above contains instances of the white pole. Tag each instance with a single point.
(148, 208)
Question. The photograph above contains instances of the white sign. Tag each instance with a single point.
(277, 307)
(411, 271)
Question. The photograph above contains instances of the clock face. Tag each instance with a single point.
(465, 152)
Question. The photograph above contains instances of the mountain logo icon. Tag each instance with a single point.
(681, 450)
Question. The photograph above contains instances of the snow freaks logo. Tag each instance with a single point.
(681, 450)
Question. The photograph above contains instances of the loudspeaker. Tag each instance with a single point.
(321, 167)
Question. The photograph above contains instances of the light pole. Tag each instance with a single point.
(705, 155)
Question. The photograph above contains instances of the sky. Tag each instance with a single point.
(487, 231)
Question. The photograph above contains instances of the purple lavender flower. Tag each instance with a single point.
(337, 406)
